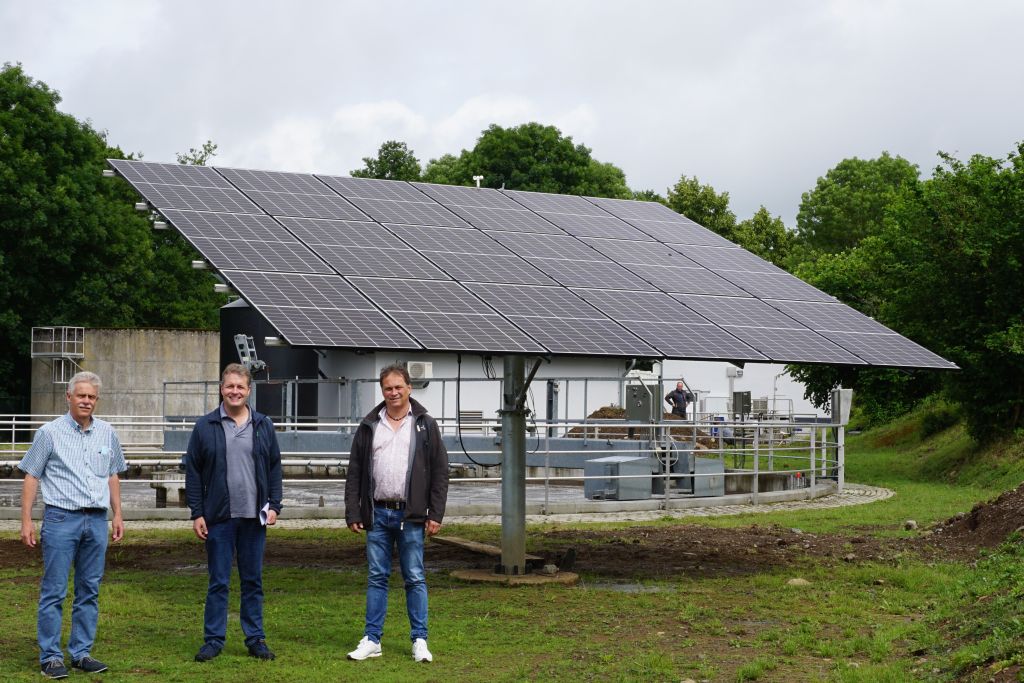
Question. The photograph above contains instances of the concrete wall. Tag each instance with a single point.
(133, 365)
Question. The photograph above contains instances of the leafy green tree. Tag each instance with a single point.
(445, 170)
(530, 157)
(849, 202)
(198, 156)
(648, 196)
(702, 204)
(74, 250)
(956, 281)
(394, 161)
(766, 236)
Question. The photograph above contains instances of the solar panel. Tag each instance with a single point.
(488, 268)
(649, 253)
(546, 246)
(169, 174)
(794, 346)
(692, 341)
(542, 312)
(749, 312)
(306, 205)
(460, 195)
(245, 242)
(629, 209)
(272, 181)
(409, 213)
(890, 350)
(376, 261)
(676, 280)
(595, 226)
(647, 306)
(776, 286)
(343, 233)
(554, 203)
(371, 188)
(465, 269)
(729, 258)
(454, 240)
(196, 198)
(590, 274)
(505, 219)
(682, 233)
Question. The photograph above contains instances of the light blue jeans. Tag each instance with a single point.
(69, 538)
(388, 530)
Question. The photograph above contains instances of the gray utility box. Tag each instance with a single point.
(639, 403)
(713, 483)
(605, 487)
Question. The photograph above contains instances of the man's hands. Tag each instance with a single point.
(271, 517)
(117, 528)
(433, 527)
(199, 527)
(28, 534)
(356, 527)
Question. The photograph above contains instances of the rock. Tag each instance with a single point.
(879, 582)
(910, 525)
(549, 570)
(798, 582)
(850, 557)
(796, 531)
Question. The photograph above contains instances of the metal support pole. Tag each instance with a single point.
(513, 470)
(840, 458)
(756, 484)
(813, 471)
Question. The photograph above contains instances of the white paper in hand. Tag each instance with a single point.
(263, 514)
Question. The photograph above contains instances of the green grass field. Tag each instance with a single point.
(908, 618)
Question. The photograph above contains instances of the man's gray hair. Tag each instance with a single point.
(87, 377)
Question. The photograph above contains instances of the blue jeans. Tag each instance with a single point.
(245, 538)
(388, 529)
(69, 538)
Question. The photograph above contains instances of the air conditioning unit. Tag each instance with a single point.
(420, 372)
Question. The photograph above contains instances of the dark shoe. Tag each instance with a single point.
(207, 652)
(54, 669)
(89, 665)
(259, 650)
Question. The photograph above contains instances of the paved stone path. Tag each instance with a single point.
(853, 494)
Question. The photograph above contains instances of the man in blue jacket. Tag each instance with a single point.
(233, 486)
(395, 490)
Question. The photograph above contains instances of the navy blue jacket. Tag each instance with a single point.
(206, 469)
(427, 483)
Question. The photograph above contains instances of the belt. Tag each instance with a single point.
(390, 504)
(93, 511)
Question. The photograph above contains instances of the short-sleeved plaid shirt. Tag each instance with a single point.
(73, 465)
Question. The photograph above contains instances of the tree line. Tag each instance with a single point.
(938, 259)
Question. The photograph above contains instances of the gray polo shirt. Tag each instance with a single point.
(241, 466)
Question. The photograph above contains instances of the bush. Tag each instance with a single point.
(938, 418)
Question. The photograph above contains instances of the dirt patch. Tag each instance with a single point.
(987, 524)
(704, 439)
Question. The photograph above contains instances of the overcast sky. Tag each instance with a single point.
(756, 98)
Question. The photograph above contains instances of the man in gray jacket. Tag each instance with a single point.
(396, 490)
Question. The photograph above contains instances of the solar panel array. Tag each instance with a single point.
(374, 264)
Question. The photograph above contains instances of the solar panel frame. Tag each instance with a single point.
(736, 311)
(720, 259)
(646, 253)
(592, 337)
(835, 317)
(693, 341)
(341, 233)
(554, 203)
(629, 209)
(451, 240)
(373, 261)
(576, 273)
(696, 280)
(533, 245)
(307, 205)
(776, 286)
(682, 233)
(794, 346)
(488, 268)
(642, 306)
(535, 301)
(888, 350)
(248, 180)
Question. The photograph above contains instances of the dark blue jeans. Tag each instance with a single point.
(389, 530)
(246, 539)
(77, 538)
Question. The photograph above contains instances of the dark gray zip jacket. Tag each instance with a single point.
(206, 467)
(426, 485)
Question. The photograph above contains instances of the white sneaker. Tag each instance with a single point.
(420, 653)
(367, 648)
